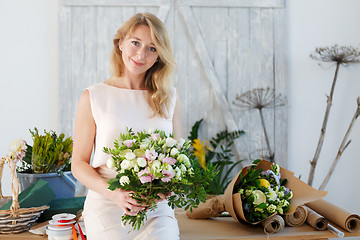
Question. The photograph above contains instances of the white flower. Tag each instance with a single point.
(110, 163)
(184, 159)
(17, 149)
(130, 156)
(170, 142)
(125, 164)
(136, 168)
(156, 165)
(145, 144)
(141, 162)
(124, 180)
(191, 171)
(183, 168)
(180, 143)
(151, 154)
(173, 152)
(129, 143)
(177, 173)
(271, 208)
(272, 195)
(161, 156)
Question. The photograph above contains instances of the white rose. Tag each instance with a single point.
(156, 165)
(136, 168)
(110, 163)
(124, 180)
(173, 152)
(141, 162)
(125, 164)
(170, 142)
(130, 156)
(161, 156)
(180, 143)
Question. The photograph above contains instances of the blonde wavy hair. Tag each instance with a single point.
(158, 77)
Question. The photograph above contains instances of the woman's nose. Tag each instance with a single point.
(141, 53)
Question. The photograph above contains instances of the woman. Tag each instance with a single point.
(139, 95)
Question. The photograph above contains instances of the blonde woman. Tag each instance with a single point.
(139, 95)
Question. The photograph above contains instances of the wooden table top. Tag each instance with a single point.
(222, 228)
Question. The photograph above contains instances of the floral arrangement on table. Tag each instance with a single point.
(217, 152)
(150, 163)
(49, 153)
(263, 193)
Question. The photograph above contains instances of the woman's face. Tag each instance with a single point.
(138, 50)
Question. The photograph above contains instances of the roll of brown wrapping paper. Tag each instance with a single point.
(213, 207)
(297, 218)
(337, 215)
(273, 224)
(316, 220)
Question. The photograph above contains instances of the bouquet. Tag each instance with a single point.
(264, 189)
(149, 163)
(263, 193)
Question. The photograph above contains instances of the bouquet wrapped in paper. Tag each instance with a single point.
(260, 193)
(264, 189)
(152, 163)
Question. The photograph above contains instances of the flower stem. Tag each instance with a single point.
(323, 128)
(271, 154)
(343, 146)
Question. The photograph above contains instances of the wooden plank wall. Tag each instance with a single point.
(222, 48)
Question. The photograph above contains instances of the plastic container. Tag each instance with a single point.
(63, 185)
(59, 234)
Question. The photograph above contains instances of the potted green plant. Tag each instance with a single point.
(49, 159)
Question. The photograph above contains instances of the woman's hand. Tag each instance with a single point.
(125, 201)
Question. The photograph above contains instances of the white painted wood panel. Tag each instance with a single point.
(222, 48)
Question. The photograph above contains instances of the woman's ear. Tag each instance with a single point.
(119, 44)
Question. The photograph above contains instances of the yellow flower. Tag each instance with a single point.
(200, 152)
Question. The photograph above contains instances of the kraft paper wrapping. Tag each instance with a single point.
(297, 218)
(339, 216)
(315, 220)
(303, 193)
(213, 207)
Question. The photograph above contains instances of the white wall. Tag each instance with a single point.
(29, 84)
(28, 71)
(311, 24)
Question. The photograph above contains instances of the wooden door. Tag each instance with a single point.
(222, 48)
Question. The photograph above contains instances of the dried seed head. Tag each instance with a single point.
(339, 54)
(259, 98)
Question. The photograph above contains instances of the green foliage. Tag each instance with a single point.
(49, 153)
(220, 158)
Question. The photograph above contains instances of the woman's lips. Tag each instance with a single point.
(137, 63)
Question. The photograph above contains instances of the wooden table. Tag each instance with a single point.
(223, 228)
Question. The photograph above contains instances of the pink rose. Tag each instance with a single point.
(151, 154)
(168, 175)
(169, 160)
(129, 143)
(145, 176)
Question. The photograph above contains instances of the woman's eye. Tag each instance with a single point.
(135, 43)
(152, 49)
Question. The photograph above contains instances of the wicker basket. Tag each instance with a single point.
(16, 219)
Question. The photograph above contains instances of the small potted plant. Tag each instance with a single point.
(48, 159)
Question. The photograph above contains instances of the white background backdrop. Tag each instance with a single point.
(29, 84)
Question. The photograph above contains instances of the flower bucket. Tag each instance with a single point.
(62, 184)
(303, 193)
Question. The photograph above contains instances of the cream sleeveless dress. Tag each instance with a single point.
(113, 110)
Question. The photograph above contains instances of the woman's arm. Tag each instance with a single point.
(177, 120)
(84, 136)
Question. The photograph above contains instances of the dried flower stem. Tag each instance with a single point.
(271, 153)
(342, 147)
(323, 128)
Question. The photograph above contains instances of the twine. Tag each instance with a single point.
(297, 218)
(273, 224)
